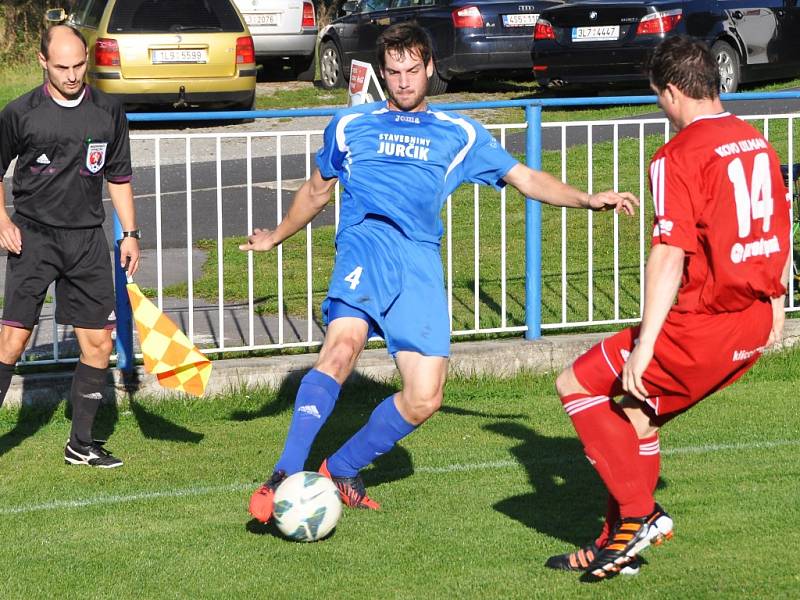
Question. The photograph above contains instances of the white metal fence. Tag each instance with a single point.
(197, 192)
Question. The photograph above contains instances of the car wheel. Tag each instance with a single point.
(304, 67)
(728, 63)
(436, 85)
(331, 70)
(248, 104)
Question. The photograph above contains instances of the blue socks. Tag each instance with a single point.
(384, 429)
(312, 407)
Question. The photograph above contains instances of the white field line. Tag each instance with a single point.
(454, 468)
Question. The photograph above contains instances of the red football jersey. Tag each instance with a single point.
(719, 194)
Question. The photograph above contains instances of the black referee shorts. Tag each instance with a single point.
(77, 260)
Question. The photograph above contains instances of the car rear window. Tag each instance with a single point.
(172, 16)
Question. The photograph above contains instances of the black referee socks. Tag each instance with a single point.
(6, 372)
(86, 394)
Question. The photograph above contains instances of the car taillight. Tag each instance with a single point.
(659, 22)
(467, 16)
(106, 53)
(543, 30)
(245, 52)
(308, 15)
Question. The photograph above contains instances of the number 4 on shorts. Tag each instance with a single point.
(354, 277)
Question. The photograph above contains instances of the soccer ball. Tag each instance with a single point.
(307, 506)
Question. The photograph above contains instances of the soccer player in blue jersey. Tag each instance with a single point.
(398, 160)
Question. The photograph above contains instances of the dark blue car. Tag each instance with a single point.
(469, 38)
(601, 42)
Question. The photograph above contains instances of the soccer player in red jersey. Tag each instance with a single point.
(721, 244)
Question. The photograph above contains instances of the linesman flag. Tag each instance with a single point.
(168, 353)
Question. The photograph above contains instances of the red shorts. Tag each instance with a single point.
(695, 355)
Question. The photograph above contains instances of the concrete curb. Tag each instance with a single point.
(500, 358)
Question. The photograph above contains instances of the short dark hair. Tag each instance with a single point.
(686, 63)
(47, 36)
(404, 37)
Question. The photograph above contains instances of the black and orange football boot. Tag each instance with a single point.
(351, 489)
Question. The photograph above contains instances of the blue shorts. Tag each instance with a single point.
(392, 282)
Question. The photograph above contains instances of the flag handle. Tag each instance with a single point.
(124, 341)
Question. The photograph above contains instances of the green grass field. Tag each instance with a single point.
(473, 502)
(18, 78)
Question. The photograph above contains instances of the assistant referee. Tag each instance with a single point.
(67, 137)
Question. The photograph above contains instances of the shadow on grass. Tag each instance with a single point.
(568, 500)
(256, 527)
(465, 412)
(156, 427)
(30, 420)
(153, 426)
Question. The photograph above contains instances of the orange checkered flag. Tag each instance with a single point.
(168, 353)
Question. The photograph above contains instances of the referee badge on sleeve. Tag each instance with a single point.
(95, 156)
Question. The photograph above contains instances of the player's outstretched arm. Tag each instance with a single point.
(309, 200)
(662, 280)
(546, 188)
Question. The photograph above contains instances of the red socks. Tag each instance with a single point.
(650, 463)
(611, 445)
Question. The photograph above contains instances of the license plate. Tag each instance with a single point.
(198, 55)
(595, 33)
(261, 19)
(521, 20)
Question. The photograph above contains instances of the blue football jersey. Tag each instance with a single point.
(403, 165)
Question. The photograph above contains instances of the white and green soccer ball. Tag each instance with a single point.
(307, 506)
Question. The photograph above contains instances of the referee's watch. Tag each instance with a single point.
(133, 233)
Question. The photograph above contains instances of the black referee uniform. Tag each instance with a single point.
(64, 150)
(63, 153)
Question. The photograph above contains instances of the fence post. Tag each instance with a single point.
(533, 228)
(124, 342)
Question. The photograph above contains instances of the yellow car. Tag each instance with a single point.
(176, 53)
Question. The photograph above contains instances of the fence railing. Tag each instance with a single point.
(511, 264)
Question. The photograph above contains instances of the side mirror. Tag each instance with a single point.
(349, 7)
(55, 15)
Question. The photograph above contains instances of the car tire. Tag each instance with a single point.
(436, 85)
(729, 68)
(331, 69)
(304, 67)
(247, 105)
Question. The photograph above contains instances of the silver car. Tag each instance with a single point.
(283, 29)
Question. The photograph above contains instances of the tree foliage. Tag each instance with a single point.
(327, 11)
(21, 23)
